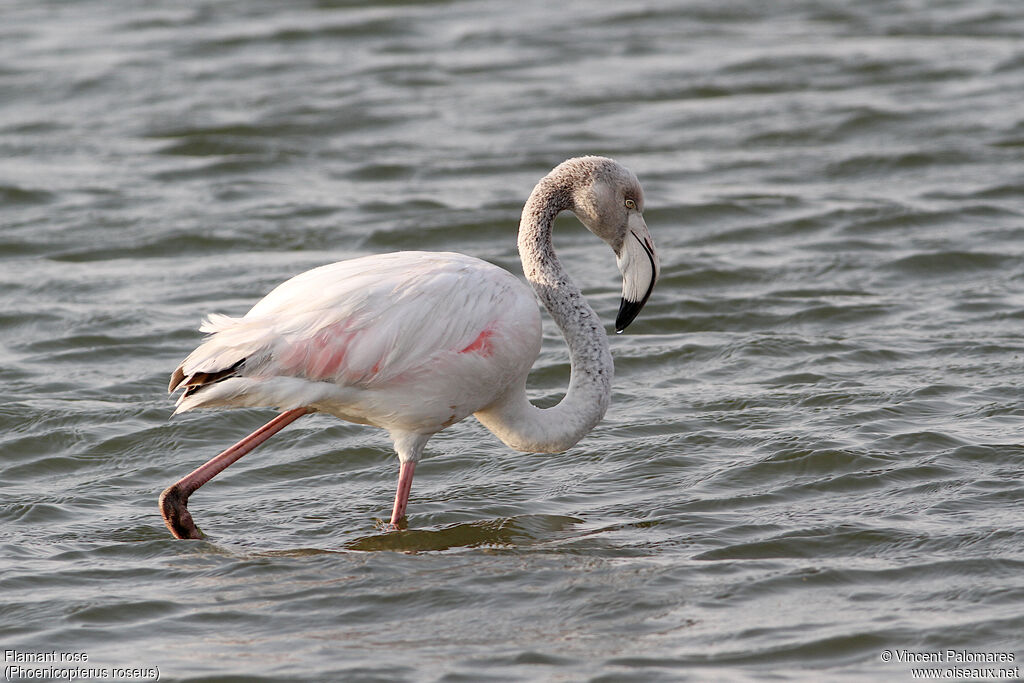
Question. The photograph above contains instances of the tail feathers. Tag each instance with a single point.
(218, 322)
(198, 380)
(231, 343)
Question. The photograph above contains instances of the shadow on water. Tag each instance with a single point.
(503, 532)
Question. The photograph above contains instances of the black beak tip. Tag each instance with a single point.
(628, 310)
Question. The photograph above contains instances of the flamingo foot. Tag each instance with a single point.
(174, 508)
(392, 526)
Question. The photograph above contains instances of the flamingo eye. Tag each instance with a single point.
(630, 204)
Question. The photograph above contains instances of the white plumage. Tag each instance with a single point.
(410, 341)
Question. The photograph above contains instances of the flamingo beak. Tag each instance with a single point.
(638, 262)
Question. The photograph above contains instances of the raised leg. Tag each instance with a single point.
(174, 499)
(402, 495)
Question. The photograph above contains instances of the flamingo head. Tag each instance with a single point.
(608, 199)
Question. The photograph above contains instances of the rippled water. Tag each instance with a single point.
(813, 451)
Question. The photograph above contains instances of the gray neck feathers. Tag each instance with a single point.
(517, 422)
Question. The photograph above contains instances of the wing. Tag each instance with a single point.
(362, 322)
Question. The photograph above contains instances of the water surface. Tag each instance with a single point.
(812, 454)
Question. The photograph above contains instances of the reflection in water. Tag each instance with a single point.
(519, 531)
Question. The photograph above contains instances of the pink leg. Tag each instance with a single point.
(402, 495)
(174, 500)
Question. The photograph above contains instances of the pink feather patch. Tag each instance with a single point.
(482, 344)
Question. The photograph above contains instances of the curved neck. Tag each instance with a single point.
(515, 420)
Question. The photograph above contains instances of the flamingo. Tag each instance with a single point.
(415, 341)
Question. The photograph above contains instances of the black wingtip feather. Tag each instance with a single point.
(198, 380)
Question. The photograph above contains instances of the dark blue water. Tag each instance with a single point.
(812, 461)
